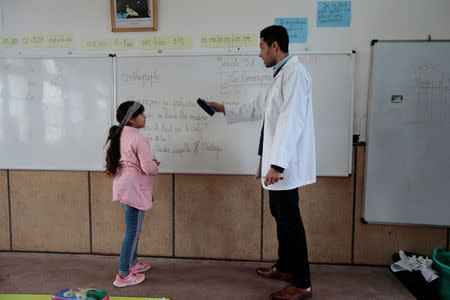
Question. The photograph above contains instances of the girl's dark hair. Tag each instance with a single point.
(113, 152)
(276, 33)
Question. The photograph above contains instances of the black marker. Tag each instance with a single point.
(205, 106)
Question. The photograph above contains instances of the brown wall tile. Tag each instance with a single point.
(50, 211)
(157, 240)
(326, 210)
(108, 225)
(375, 243)
(270, 243)
(4, 212)
(217, 216)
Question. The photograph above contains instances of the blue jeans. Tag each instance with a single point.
(128, 253)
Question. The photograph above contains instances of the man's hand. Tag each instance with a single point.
(271, 177)
(217, 106)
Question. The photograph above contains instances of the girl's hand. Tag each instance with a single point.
(156, 161)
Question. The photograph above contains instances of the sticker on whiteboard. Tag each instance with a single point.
(397, 98)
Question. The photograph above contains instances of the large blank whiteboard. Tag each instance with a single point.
(408, 165)
(55, 112)
(186, 140)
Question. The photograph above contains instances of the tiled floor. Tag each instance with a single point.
(43, 273)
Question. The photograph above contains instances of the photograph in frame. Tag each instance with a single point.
(133, 15)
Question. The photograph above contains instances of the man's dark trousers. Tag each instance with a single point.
(292, 248)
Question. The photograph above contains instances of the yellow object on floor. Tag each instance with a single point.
(48, 297)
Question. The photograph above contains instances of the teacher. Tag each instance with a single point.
(287, 153)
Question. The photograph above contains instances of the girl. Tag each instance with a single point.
(129, 161)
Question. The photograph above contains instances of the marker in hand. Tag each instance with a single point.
(268, 180)
(203, 104)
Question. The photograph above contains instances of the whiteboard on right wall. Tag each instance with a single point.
(408, 148)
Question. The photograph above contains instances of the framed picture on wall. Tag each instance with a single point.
(133, 15)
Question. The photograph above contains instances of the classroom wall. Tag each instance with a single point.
(211, 216)
(383, 19)
(199, 216)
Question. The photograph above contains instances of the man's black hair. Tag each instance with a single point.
(276, 33)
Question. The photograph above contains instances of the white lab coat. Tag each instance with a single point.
(286, 108)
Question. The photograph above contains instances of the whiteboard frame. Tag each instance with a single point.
(229, 52)
(160, 53)
(369, 102)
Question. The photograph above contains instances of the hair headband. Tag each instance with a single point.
(130, 112)
(133, 108)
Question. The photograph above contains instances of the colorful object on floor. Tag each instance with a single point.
(81, 294)
(47, 297)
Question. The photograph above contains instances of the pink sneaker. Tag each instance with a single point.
(130, 279)
(140, 267)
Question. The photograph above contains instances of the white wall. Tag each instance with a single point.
(381, 19)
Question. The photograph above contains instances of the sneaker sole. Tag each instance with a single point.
(120, 285)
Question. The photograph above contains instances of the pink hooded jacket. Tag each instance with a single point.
(132, 185)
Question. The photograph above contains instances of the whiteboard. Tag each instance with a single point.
(55, 112)
(407, 161)
(186, 140)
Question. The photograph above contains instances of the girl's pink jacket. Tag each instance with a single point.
(132, 185)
